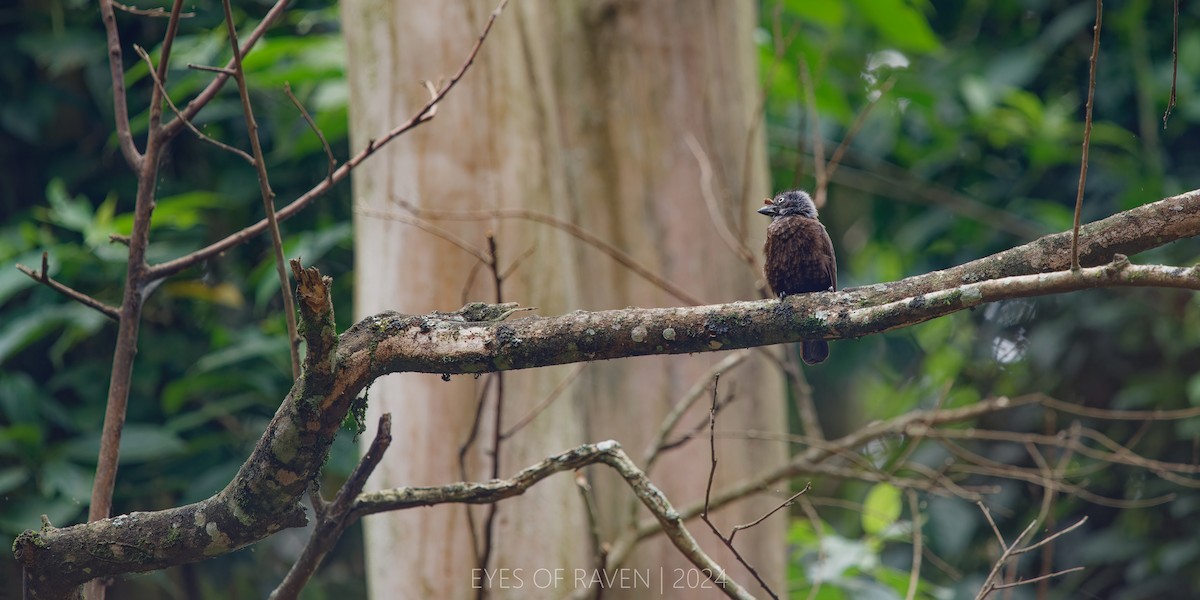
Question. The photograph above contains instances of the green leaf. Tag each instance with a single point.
(101, 226)
(881, 508)
(1053, 214)
(211, 480)
(310, 245)
(70, 213)
(139, 443)
(12, 478)
(831, 15)
(21, 398)
(1193, 390)
(25, 512)
(62, 51)
(26, 440)
(253, 344)
(844, 556)
(181, 211)
(13, 281)
(21, 331)
(222, 293)
(66, 479)
(899, 23)
(210, 411)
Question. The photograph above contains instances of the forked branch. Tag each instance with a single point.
(422, 115)
(264, 188)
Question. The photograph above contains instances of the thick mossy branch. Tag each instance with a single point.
(1129, 233)
(609, 453)
(264, 496)
(392, 342)
(316, 320)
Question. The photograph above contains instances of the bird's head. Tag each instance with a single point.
(788, 204)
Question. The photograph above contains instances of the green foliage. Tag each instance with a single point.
(988, 116)
(880, 509)
(980, 105)
(213, 360)
(826, 564)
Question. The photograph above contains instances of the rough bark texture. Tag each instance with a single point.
(264, 495)
(1129, 232)
(580, 110)
(262, 498)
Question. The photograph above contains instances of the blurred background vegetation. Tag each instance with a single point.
(971, 147)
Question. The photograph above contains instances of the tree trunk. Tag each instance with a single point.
(580, 110)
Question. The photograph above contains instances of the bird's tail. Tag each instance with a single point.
(814, 351)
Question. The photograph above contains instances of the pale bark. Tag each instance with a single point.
(580, 110)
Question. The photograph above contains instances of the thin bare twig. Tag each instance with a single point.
(512, 267)
(1087, 135)
(164, 58)
(687, 436)
(145, 167)
(859, 120)
(462, 465)
(45, 279)
(1002, 586)
(546, 402)
(116, 67)
(148, 12)
(171, 129)
(1174, 62)
(712, 447)
(811, 459)
(334, 517)
(891, 181)
(806, 407)
(1050, 538)
(712, 471)
(592, 510)
(1120, 415)
(191, 126)
(809, 508)
(914, 573)
(489, 521)
(660, 444)
(572, 229)
(1076, 490)
(650, 456)
(1119, 454)
(1046, 516)
(429, 228)
(287, 89)
(757, 123)
(264, 188)
(818, 144)
(1015, 549)
(669, 520)
(785, 504)
(714, 210)
(469, 282)
(1005, 550)
(422, 115)
(212, 69)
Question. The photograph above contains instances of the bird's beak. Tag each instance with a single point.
(768, 210)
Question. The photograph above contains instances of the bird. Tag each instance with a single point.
(798, 256)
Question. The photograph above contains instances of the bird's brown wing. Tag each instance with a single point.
(832, 261)
(799, 256)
